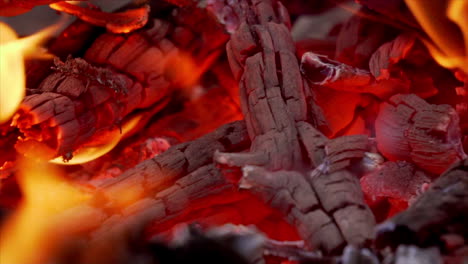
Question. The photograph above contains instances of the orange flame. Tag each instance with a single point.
(25, 238)
(446, 24)
(13, 51)
(98, 149)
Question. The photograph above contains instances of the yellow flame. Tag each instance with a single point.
(112, 138)
(446, 24)
(25, 238)
(13, 51)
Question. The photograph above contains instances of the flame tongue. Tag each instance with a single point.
(12, 81)
(25, 238)
(445, 23)
(12, 70)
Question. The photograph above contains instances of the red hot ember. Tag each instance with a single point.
(408, 128)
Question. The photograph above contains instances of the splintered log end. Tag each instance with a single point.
(408, 128)
(324, 71)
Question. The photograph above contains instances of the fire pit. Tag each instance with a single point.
(240, 131)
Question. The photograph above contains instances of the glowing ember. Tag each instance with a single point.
(121, 22)
(26, 237)
(17, 7)
(13, 52)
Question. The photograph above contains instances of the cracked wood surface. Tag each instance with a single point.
(279, 109)
(154, 191)
(408, 128)
(326, 204)
(84, 98)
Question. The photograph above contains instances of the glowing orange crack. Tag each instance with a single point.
(121, 22)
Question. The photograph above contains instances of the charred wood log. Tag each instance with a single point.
(262, 57)
(73, 41)
(81, 101)
(316, 201)
(440, 210)
(160, 172)
(392, 70)
(408, 128)
(274, 100)
(240, 244)
(156, 190)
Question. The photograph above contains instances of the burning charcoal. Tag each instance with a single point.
(389, 54)
(316, 208)
(264, 92)
(442, 209)
(398, 182)
(316, 202)
(359, 38)
(162, 170)
(406, 59)
(90, 101)
(70, 42)
(320, 70)
(340, 89)
(408, 128)
(121, 22)
(67, 121)
(338, 107)
(156, 190)
(275, 144)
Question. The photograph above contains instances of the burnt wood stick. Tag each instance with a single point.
(320, 70)
(156, 190)
(126, 228)
(83, 99)
(273, 94)
(328, 211)
(443, 209)
(273, 101)
(161, 171)
(316, 201)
